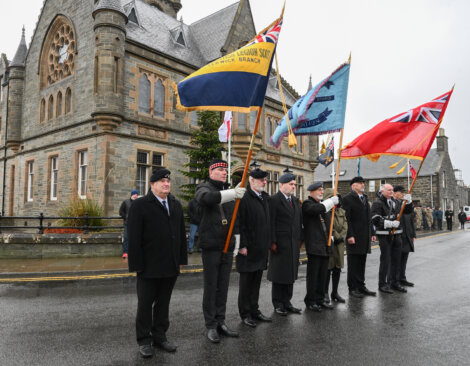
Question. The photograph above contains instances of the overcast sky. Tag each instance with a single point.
(404, 53)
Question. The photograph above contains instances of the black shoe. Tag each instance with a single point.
(356, 293)
(314, 307)
(190, 251)
(293, 310)
(386, 289)
(337, 298)
(326, 298)
(367, 292)
(166, 346)
(249, 321)
(398, 288)
(213, 335)
(263, 318)
(406, 283)
(327, 306)
(146, 350)
(280, 311)
(226, 331)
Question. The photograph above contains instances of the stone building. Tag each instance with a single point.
(87, 109)
(436, 185)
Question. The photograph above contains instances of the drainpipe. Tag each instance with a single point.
(5, 150)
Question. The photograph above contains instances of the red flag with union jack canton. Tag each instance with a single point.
(409, 134)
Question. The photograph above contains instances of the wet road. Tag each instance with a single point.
(92, 322)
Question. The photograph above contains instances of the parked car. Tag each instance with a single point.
(466, 209)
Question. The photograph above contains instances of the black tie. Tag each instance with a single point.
(363, 199)
(166, 207)
(290, 202)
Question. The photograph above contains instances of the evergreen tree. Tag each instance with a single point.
(207, 147)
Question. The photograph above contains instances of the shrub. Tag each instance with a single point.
(78, 208)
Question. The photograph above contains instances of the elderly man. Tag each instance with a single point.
(358, 239)
(255, 241)
(316, 218)
(286, 236)
(217, 205)
(157, 249)
(385, 212)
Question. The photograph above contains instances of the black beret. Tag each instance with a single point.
(160, 174)
(258, 173)
(286, 178)
(399, 189)
(216, 163)
(314, 186)
(357, 179)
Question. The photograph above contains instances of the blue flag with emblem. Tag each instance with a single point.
(319, 111)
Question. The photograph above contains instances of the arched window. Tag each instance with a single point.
(50, 108)
(158, 99)
(42, 112)
(58, 105)
(268, 130)
(68, 101)
(144, 94)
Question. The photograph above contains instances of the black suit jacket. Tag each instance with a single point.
(157, 242)
(359, 226)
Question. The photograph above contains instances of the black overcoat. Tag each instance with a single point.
(316, 227)
(157, 242)
(359, 226)
(409, 232)
(255, 232)
(286, 232)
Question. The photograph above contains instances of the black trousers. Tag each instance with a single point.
(282, 294)
(216, 282)
(390, 255)
(404, 260)
(317, 270)
(153, 302)
(449, 225)
(248, 294)
(356, 271)
(439, 224)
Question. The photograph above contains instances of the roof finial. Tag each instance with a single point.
(310, 83)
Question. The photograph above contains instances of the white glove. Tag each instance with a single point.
(329, 203)
(391, 224)
(395, 224)
(335, 200)
(407, 198)
(237, 245)
(239, 191)
(227, 195)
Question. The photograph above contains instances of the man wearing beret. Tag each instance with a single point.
(217, 205)
(385, 213)
(316, 217)
(255, 241)
(157, 250)
(286, 236)
(358, 240)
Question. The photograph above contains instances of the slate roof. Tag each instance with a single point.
(109, 4)
(21, 52)
(380, 169)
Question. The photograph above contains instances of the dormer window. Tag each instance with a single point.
(180, 39)
(133, 16)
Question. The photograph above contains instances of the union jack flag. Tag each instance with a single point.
(428, 112)
(269, 34)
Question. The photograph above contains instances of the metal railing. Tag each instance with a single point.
(41, 218)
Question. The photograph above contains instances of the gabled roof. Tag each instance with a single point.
(380, 169)
(212, 31)
(21, 52)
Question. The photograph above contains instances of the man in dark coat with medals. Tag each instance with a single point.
(157, 249)
(358, 240)
(316, 217)
(286, 236)
(384, 213)
(217, 205)
(255, 242)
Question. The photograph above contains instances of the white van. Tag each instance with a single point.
(466, 209)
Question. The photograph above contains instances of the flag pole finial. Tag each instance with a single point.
(349, 59)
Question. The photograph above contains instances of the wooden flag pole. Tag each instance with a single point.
(336, 185)
(242, 183)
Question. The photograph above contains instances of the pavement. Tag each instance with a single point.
(61, 269)
(93, 322)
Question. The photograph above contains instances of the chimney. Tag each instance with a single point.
(442, 143)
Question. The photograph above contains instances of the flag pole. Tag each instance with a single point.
(230, 151)
(408, 173)
(336, 185)
(242, 183)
